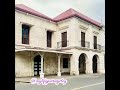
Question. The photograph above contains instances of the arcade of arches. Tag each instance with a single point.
(33, 64)
(82, 63)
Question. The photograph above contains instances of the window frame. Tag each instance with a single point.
(25, 33)
(65, 63)
(49, 41)
(64, 39)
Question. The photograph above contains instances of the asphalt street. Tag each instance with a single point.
(91, 82)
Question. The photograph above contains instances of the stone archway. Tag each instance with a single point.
(82, 63)
(95, 64)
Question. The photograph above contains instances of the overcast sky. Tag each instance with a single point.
(94, 9)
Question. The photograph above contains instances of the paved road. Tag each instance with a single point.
(94, 82)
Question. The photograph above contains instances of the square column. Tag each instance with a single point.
(74, 70)
(41, 73)
(59, 73)
(89, 64)
(101, 65)
(89, 69)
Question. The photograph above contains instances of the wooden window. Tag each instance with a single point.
(82, 39)
(49, 38)
(95, 42)
(64, 39)
(25, 34)
(65, 62)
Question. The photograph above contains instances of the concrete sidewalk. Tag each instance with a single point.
(27, 79)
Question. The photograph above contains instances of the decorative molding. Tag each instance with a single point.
(83, 27)
(95, 50)
(83, 21)
(95, 27)
(27, 23)
(64, 21)
(83, 30)
(50, 30)
(61, 28)
(82, 48)
(95, 32)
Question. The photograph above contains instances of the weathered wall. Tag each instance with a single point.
(89, 57)
(50, 64)
(90, 31)
(38, 30)
(24, 64)
(65, 70)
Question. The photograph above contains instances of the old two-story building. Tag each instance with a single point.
(70, 43)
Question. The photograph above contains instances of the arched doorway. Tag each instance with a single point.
(82, 63)
(37, 65)
(95, 64)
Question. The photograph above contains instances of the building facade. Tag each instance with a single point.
(70, 43)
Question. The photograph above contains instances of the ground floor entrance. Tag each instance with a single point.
(34, 63)
(94, 64)
(82, 64)
(37, 65)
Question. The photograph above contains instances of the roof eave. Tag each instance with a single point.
(89, 21)
(32, 13)
(54, 20)
(100, 26)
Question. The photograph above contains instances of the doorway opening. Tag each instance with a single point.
(37, 65)
(95, 66)
(82, 64)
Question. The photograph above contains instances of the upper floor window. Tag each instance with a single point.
(64, 39)
(95, 42)
(82, 39)
(49, 38)
(25, 34)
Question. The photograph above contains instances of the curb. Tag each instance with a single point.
(70, 77)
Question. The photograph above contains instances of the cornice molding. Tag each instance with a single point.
(83, 27)
(64, 27)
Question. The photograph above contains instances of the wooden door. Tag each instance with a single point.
(94, 64)
(37, 65)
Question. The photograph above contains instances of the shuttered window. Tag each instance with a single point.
(64, 39)
(25, 34)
